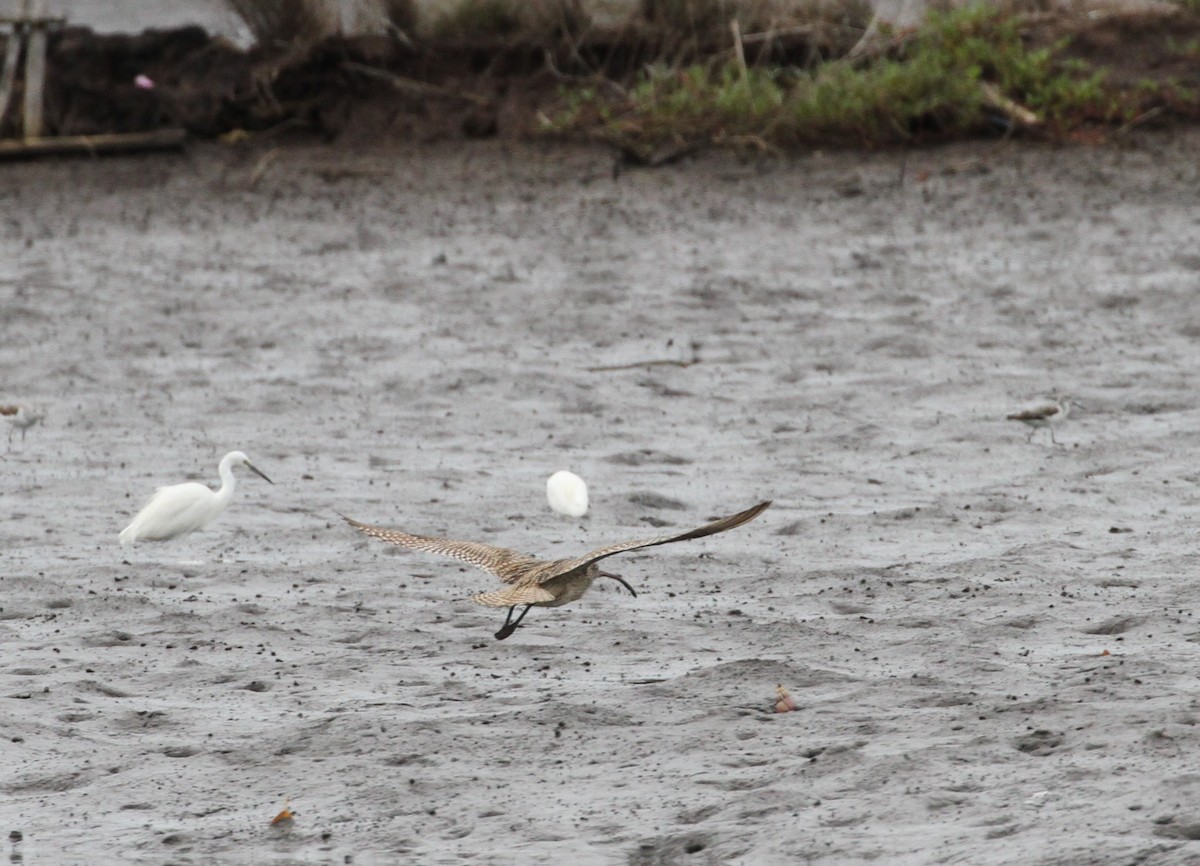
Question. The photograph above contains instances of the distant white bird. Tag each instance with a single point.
(182, 508)
(567, 493)
(1047, 414)
(21, 417)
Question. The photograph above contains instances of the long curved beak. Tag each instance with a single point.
(621, 581)
(258, 472)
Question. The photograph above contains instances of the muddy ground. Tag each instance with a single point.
(992, 642)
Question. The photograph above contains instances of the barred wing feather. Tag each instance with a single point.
(562, 566)
(508, 565)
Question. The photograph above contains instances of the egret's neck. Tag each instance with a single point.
(228, 482)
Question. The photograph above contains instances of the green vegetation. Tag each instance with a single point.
(964, 70)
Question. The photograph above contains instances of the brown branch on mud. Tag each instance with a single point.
(757, 142)
(260, 167)
(595, 78)
(770, 36)
(411, 85)
(661, 362)
(635, 157)
(1014, 111)
(1144, 117)
(120, 142)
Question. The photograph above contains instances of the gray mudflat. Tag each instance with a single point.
(408, 337)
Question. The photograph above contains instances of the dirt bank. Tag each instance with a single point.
(511, 85)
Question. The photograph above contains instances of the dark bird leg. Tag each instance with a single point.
(621, 581)
(509, 626)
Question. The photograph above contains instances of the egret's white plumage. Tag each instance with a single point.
(567, 493)
(182, 508)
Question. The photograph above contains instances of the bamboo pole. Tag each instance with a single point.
(8, 77)
(35, 79)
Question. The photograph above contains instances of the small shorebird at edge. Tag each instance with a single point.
(21, 417)
(1048, 414)
(541, 582)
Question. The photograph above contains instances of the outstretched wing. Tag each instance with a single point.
(562, 566)
(508, 565)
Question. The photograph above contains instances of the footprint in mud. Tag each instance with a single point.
(671, 850)
(1040, 743)
(1115, 625)
(106, 639)
(656, 501)
(647, 457)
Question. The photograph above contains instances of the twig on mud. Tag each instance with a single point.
(238, 135)
(1014, 111)
(333, 173)
(260, 167)
(772, 35)
(594, 78)
(631, 155)
(411, 85)
(755, 141)
(1145, 116)
(660, 362)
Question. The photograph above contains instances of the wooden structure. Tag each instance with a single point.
(28, 37)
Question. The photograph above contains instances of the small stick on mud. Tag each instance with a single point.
(1145, 116)
(635, 157)
(420, 88)
(770, 36)
(1014, 111)
(157, 139)
(595, 78)
(661, 362)
(260, 167)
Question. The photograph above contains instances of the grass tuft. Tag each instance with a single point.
(964, 70)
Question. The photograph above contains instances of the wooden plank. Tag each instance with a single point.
(12, 56)
(35, 80)
(157, 139)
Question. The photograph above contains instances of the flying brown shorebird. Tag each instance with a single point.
(541, 582)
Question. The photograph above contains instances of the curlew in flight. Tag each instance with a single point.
(541, 582)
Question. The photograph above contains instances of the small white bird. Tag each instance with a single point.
(21, 417)
(567, 493)
(1047, 414)
(182, 508)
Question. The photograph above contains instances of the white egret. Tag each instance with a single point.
(21, 417)
(567, 493)
(182, 508)
(1045, 414)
